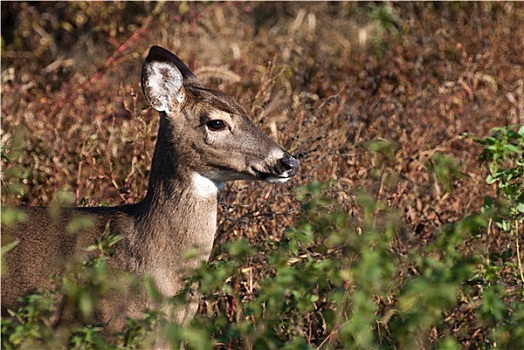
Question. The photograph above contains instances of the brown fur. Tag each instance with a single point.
(179, 210)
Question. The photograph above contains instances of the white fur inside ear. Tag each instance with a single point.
(164, 85)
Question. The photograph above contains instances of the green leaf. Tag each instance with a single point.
(12, 216)
(490, 179)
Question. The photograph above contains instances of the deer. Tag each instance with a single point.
(205, 138)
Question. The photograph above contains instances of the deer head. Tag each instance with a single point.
(209, 131)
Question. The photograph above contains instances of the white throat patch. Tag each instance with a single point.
(203, 186)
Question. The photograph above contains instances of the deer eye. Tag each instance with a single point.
(216, 125)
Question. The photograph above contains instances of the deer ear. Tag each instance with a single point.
(162, 83)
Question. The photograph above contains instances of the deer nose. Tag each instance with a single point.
(288, 165)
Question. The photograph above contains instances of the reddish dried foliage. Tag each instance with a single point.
(321, 78)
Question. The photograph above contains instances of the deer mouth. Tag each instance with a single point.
(277, 179)
(285, 169)
(271, 178)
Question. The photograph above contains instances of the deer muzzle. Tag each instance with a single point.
(285, 168)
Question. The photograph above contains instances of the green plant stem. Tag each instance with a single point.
(519, 260)
(487, 245)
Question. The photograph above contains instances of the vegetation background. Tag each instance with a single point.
(380, 242)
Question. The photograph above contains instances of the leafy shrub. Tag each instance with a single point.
(503, 154)
(330, 281)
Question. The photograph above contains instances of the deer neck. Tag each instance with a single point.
(177, 218)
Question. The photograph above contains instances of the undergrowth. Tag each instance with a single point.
(330, 281)
(394, 238)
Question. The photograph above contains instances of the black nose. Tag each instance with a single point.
(289, 164)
